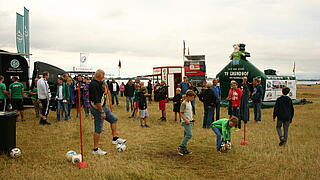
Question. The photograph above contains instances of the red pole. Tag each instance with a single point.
(244, 142)
(81, 164)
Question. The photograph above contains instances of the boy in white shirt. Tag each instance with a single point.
(187, 120)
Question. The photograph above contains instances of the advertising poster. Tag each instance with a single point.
(274, 89)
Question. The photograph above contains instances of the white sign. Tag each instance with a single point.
(83, 59)
(174, 70)
(156, 71)
(82, 68)
(274, 89)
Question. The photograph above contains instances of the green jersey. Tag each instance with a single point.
(16, 90)
(136, 97)
(236, 55)
(223, 125)
(34, 90)
(2, 89)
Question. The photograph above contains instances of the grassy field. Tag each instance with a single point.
(152, 153)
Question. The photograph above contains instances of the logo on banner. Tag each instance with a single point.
(14, 63)
(19, 36)
(83, 59)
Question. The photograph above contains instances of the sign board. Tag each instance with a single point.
(194, 66)
(174, 70)
(236, 72)
(157, 71)
(274, 89)
(164, 74)
(82, 68)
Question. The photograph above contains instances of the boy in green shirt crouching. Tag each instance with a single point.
(223, 127)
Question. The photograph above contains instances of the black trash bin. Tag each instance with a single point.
(7, 131)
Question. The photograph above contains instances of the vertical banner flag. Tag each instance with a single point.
(26, 32)
(119, 65)
(83, 59)
(19, 34)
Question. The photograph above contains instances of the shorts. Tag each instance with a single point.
(98, 121)
(4, 105)
(176, 107)
(17, 104)
(136, 105)
(162, 105)
(144, 113)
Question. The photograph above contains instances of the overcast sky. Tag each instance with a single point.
(148, 33)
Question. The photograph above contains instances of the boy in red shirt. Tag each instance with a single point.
(234, 96)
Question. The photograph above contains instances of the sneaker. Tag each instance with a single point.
(142, 126)
(119, 141)
(181, 151)
(164, 119)
(99, 152)
(187, 152)
(146, 126)
(47, 123)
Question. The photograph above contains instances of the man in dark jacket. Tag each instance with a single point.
(257, 98)
(208, 97)
(128, 93)
(284, 111)
(114, 90)
(149, 88)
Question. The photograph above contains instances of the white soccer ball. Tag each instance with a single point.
(15, 152)
(69, 155)
(121, 147)
(76, 158)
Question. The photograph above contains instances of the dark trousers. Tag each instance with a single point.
(257, 111)
(217, 107)
(114, 95)
(45, 107)
(285, 125)
(208, 116)
(236, 112)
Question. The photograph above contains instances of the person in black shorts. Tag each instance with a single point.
(177, 99)
(16, 90)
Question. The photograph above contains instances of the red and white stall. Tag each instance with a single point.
(172, 75)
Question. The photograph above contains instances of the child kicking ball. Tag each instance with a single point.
(222, 129)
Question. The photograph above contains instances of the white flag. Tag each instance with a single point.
(83, 59)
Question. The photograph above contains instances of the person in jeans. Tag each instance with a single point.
(128, 93)
(187, 122)
(208, 98)
(257, 99)
(114, 90)
(222, 129)
(3, 95)
(44, 96)
(34, 97)
(284, 112)
(217, 91)
(62, 97)
(101, 112)
(16, 90)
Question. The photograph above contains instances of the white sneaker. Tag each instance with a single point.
(119, 141)
(99, 152)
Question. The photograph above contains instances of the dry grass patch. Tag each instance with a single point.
(152, 153)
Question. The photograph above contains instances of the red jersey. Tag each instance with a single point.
(235, 96)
